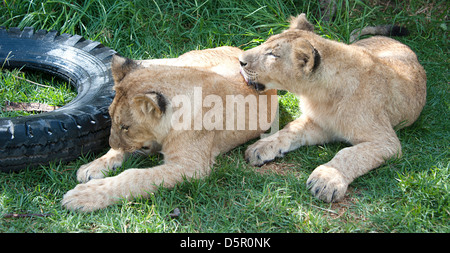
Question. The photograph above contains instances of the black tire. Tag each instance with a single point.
(81, 126)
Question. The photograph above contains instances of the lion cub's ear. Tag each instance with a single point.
(149, 104)
(121, 66)
(301, 23)
(305, 56)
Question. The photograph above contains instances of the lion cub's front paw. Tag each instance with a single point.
(87, 197)
(264, 150)
(327, 184)
(92, 170)
(100, 167)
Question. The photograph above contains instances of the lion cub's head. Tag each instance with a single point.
(282, 58)
(139, 116)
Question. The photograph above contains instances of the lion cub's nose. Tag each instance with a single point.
(243, 64)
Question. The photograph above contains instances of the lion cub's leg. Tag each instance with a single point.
(329, 181)
(100, 193)
(180, 164)
(99, 167)
(300, 132)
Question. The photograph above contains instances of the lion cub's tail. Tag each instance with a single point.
(384, 30)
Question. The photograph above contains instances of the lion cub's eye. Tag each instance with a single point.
(272, 55)
(124, 127)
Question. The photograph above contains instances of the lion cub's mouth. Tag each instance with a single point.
(257, 86)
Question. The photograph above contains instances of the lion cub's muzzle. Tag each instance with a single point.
(249, 80)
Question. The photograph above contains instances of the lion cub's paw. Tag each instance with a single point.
(327, 184)
(265, 150)
(87, 197)
(93, 170)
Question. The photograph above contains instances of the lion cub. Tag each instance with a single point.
(355, 93)
(149, 96)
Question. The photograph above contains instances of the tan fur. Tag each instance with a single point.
(355, 93)
(140, 121)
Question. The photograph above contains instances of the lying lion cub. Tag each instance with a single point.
(355, 93)
(148, 95)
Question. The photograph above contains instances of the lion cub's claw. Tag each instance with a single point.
(327, 184)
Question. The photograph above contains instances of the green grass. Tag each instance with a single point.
(409, 194)
(16, 86)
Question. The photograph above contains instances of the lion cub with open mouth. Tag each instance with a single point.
(189, 114)
(355, 93)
